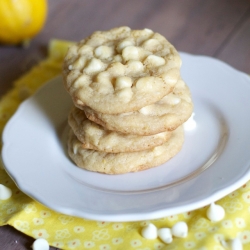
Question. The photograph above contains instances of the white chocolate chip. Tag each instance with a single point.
(103, 52)
(145, 83)
(152, 45)
(102, 87)
(149, 232)
(94, 66)
(170, 99)
(125, 94)
(79, 102)
(123, 82)
(86, 50)
(154, 61)
(130, 53)
(148, 31)
(180, 229)
(103, 77)
(124, 44)
(145, 110)
(40, 244)
(81, 81)
(117, 58)
(234, 244)
(165, 235)
(116, 69)
(80, 63)
(171, 76)
(158, 151)
(215, 212)
(190, 124)
(5, 192)
(75, 148)
(135, 66)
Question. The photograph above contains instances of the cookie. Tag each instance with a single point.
(94, 136)
(164, 115)
(120, 163)
(117, 71)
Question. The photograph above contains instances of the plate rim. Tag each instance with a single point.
(124, 217)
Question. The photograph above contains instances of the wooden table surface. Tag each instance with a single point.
(220, 29)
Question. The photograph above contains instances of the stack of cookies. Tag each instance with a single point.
(129, 101)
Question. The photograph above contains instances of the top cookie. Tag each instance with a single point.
(121, 70)
(165, 115)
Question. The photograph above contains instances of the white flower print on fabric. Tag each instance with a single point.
(29, 208)
(132, 226)
(145, 223)
(233, 194)
(200, 235)
(102, 223)
(240, 222)
(104, 247)
(189, 245)
(58, 244)
(41, 233)
(21, 225)
(117, 241)
(89, 244)
(159, 246)
(244, 236)
(172, 217)
(246, 197)
(11, 210)
(201, 223)
(65, 219)
(38, 221)
(213, 229)
(62, 234)
(245, 187)
(219, 237)
(233, 206)
(79, 229)
(227, 224)
(74, 243)
(135, 243)
(117, 226)
(100, 235)
(188, 215)
(45, 214)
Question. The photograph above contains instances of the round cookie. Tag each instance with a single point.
(165, 115)
(121, 163)
(94, 136)
(120, 70)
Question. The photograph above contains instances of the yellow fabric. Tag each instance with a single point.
(67, 232)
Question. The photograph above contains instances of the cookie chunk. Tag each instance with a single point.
(94, 136)
(165, 115)
(117, 71)
(120, 163)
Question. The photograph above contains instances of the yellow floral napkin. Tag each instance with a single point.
(67, 232)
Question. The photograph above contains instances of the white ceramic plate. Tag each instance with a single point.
(213, 162)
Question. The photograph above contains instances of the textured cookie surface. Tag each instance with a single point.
(120, 163)
(94, 136)
(166, 114)
(117, 71)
